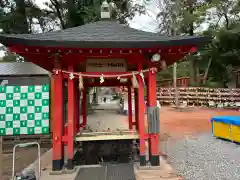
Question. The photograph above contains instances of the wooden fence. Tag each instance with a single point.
(215, 97)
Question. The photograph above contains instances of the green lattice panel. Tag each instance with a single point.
(24, 110)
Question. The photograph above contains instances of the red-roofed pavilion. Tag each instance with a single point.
(102, 53)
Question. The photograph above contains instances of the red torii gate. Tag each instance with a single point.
(65, 53)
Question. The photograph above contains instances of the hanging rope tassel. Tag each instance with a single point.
(134, 81)
(71, 76)
(80, 85)
(142, 76)
(101, 79)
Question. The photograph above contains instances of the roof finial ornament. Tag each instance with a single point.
(106, 10)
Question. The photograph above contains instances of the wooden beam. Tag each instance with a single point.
(105, 84)
(112, 135)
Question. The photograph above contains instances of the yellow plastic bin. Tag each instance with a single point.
(221, 127)
(236, 129)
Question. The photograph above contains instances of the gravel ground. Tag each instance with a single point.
(205, 158)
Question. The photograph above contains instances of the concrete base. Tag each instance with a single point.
(62, 175)
(64, 171)
(162, 172)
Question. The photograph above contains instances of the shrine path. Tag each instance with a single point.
(107, 117)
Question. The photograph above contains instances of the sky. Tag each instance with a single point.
(145, 22)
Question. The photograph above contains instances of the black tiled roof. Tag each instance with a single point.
(21, 69)
(101, 34)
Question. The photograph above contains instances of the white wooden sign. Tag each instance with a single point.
(106, 65)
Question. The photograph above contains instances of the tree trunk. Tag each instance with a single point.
(31, 24)
(74, 18)
(175, 84)
(21, 24)
(192, 70)
(226, 20)
(191, 33)
(206, 71)
(57, 7)
(70, 12)
(198, 76)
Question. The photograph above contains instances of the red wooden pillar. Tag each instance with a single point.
(71, 120)
(84, 107)
(141, 123)
(136, 108)
(153, 137)
(77, 98)
(58, 124)
(130, 107)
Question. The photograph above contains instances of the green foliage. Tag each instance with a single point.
(9, 58)
(225, 50)
(183, 71)
(213, 65)
(178, 17)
